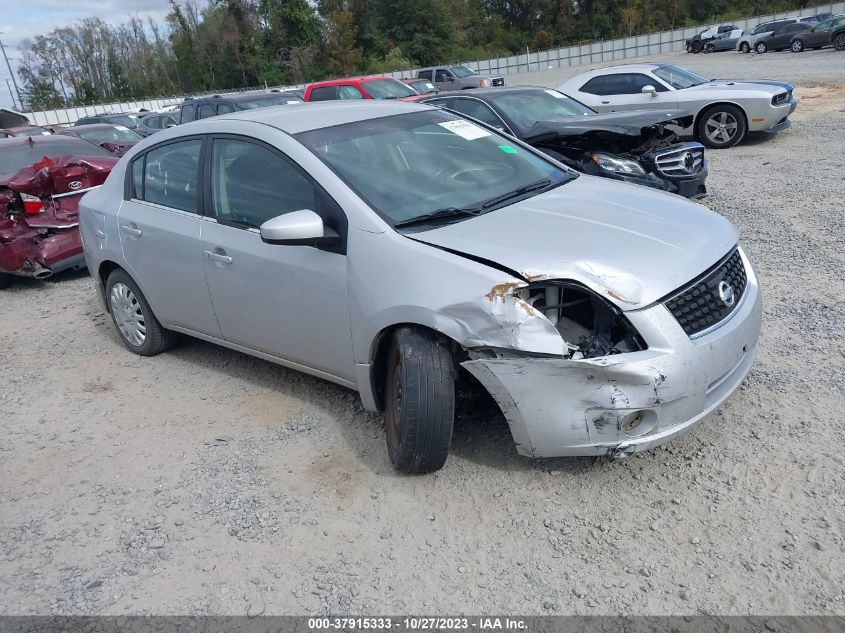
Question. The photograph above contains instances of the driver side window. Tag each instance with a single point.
(477, 110)
(251, 184)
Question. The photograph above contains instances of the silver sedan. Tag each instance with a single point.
(725, 110)
(387, 247)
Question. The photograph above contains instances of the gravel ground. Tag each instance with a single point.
(204, 481)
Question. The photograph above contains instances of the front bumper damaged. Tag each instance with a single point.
(562, 407)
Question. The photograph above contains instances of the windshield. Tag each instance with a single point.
(526, 108)
(125, 120)
(267, 101)
(409, 165)
(679, 78)
(423, 86)
(462, 71)
(14, 155)
(116, 134)
(388, 89)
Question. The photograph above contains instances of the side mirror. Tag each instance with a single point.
(299, 228)
(650, 90)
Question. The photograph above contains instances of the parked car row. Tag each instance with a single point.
(795, 34)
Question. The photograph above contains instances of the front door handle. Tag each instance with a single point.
(220, 258)
(605, 102)
(132, 230)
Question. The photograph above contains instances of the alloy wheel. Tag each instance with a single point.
(128, 314)
(797, 46)
(720, 127)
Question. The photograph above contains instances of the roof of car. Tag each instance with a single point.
(42, 140)
(486, 92)
(323, 114)
(623, 68)
(349, 80)
(89, 127)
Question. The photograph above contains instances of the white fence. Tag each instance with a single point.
(596, 52)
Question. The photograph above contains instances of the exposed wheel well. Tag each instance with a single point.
(704, 111)
(106, 269)
(380, 348)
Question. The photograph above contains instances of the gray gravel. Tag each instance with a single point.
(206, 481)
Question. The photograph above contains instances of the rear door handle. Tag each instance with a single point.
(132, 230)
(218, 257)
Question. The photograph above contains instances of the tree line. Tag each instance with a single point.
(230, 44)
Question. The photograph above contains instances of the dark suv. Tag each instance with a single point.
(195, 108)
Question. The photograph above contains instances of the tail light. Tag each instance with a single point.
(32, 205)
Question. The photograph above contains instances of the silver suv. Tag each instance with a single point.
(389, 247)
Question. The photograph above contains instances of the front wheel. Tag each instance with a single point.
(839, 42)
(136, 325)
(761, 47)
(745, 47)
(709, 48)
(6, 280)
(696, 47)
(419, 400)
(797, 46)
(722, 126)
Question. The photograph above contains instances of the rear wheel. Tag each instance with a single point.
(797, 46)
(722, 126)
(745, 47)
(136, 325)
(419, 400)
(839, 42)
(6, 280)
(761, 47)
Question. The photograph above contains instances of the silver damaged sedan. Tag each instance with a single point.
(388, 247)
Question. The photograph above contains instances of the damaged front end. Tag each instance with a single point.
(39, 228)
(640, 148)
(627, 381)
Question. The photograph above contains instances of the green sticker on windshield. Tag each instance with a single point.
(507, 149)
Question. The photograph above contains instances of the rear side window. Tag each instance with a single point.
(323, 93)
(349, 92)
(171, 175)
(188, 113)
(595, 86)
(477, 110)
(424, 74)
(206, 110)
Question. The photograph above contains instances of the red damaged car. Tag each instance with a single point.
(42, 179)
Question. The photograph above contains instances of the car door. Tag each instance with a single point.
(624, 91)
(444, 79)
(283, 300)
(159, 226)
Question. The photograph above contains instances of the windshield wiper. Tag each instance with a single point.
(545, 183)
(440, 214)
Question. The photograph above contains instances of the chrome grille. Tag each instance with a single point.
(700, 305)
(684, 161)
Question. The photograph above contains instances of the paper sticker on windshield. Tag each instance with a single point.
(555, 94)
(465, 129)
(122, 128)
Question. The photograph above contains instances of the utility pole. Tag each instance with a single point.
(9, 66)
(9, 86)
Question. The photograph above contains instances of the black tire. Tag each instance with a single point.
(761, 47)
(732, 112)
(745, 47)
(419, 402)
(797, 46)
(156, 339)
(839, 42)
(696, 47)
(709, 48)
(6, 280)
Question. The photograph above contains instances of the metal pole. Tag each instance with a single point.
(14, 82)
(9, 86)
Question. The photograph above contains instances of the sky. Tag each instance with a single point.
(23, 19)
